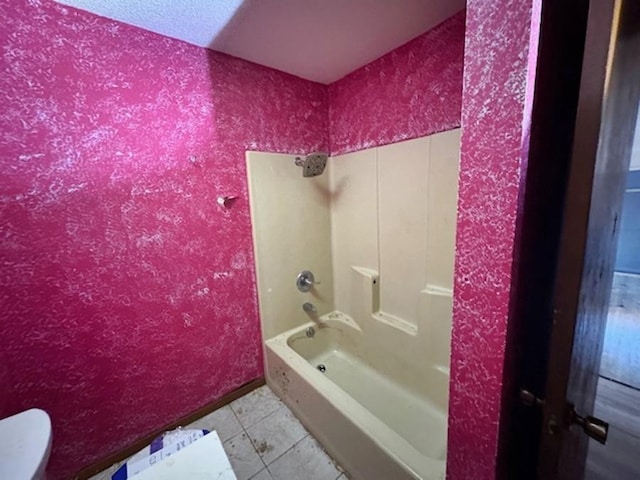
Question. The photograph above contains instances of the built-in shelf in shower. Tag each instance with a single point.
(365, 297)
(434, 302)
(436, 290)
(396, 322)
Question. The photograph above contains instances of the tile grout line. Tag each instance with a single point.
(246, 433)
(307, 435)
(266, 466)
(244, 430)
(288, 450)
(283, 405)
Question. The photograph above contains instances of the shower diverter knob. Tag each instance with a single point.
(305, 281)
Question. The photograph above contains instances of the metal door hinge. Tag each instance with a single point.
(528, 399)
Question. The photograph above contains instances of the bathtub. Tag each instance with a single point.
(368, 417)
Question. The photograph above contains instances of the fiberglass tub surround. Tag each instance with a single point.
(367, 370)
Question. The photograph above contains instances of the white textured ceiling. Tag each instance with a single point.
(320, 40)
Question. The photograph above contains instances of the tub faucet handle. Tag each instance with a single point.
(305, 281)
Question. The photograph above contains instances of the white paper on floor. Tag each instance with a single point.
(204, 459)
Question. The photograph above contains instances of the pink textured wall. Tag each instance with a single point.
(127, 294)
(499, 66)
(413, 91)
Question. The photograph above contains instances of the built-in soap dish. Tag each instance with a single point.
(341, 317)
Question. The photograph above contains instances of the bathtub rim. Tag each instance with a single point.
(417, 464)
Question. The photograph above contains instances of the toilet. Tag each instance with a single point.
(25, 445)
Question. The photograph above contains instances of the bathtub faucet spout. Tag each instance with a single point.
(310, 308)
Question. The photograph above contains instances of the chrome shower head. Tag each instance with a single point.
(313, 164)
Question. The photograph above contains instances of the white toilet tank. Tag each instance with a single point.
(25, 445)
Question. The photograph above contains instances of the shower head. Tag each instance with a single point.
(313, 164)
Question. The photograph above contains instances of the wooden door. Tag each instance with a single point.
(607, 109)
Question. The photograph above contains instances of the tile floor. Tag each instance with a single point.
(264, 441)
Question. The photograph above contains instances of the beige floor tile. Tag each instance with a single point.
(275, 434)
(306, 460)
(255, 406)
(223, 421)
(243, 457)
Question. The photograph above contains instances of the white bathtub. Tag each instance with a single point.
(367, 417)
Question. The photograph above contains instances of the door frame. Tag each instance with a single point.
(574, 264)
(566, 119)
(562, 35)
(605, 121)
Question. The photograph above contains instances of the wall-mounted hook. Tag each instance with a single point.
(225, 201)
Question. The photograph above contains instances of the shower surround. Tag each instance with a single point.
(378, 232)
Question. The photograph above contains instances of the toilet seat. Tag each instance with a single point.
(25, 445)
